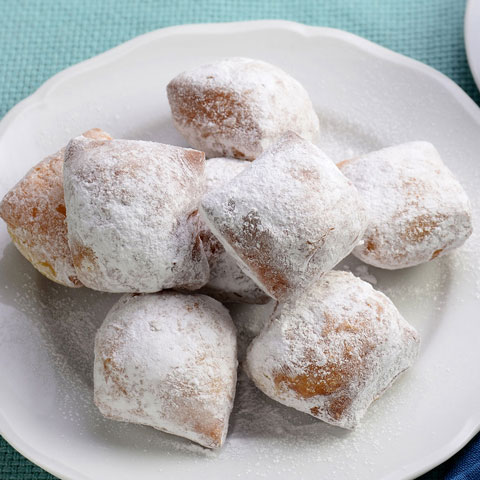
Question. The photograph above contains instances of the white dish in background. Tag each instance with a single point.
(367, 97)
(472, 38)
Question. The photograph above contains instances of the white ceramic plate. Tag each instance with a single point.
(366, 97)
(472, 38)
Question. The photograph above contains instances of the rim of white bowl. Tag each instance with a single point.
(472, 35)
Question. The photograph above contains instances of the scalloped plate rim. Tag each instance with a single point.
(412, 470)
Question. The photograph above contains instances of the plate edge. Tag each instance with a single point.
(48, 87)
(472, 5)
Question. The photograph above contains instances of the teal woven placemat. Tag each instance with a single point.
(38, 38)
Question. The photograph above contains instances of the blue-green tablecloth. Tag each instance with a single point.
(38, 38)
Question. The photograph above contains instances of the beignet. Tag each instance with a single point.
(288, 218)
(417, 209)
(132, 215)
(227, 282)
(34, 210)
(237, 107)
(333, 351)
(168, 360)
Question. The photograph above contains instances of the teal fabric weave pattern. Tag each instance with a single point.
(38, 38)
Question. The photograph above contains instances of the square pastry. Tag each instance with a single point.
(287, 218)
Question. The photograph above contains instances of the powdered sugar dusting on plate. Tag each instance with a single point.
(41, 315)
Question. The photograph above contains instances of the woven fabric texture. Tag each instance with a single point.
(38, 38)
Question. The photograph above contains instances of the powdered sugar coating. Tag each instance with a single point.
(132, 215)
(332, 351)
(237, 107)
(227, 282)
(221, 170)
(417, 208)
(288, 218)
(34, 210)
(168, 360)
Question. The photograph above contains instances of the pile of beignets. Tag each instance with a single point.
(268, 215)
